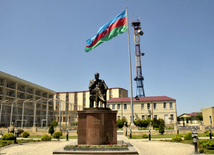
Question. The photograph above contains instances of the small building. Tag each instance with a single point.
(208, 115)
(188, 119)
(146, 107)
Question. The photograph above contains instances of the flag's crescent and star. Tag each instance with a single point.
(114, 27)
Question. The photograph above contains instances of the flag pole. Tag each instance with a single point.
(130, 69)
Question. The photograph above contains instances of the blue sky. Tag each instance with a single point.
(43, 42)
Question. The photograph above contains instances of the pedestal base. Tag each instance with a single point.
(97, 126)
(34, 128)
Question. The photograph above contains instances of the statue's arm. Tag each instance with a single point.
(105, 86)
(91, 84)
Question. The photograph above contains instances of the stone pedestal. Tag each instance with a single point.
(34, 128)
(97, 126)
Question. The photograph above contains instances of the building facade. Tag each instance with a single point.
(208, 115)
(18, 99)
(70, 102)
(146, 107)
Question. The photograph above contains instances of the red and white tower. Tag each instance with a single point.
(139, 77)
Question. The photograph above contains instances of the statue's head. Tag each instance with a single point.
(96, 75)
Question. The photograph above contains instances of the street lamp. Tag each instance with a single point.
(195, 139)
(210, 133)
(16, 135)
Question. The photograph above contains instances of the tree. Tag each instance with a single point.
(199, 117)
(161, 128)
(55, 123)
(124, 121)
(51, 129)
(119, 123)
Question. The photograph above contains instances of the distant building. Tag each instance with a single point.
(188, 119)
(72, 101)
(146, 107)
(14, 91)
(208, 115)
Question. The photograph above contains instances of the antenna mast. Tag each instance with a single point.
(139, 78)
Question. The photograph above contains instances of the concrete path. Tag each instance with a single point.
(144, 147)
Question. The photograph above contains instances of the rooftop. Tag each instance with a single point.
(141, 99)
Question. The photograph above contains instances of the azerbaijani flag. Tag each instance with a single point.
(108, 31)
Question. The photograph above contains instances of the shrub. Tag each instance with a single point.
(177, 138)
(20, 131)
(57, 134)
(156, 128)
(188, 136)
(8, 136)
(46, 138)
(51, 129)
(207, 133)
(169, 128)
(26, 134)
(145, 136)
(208, 145)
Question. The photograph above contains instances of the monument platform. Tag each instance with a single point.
(97, 126)
(129, 151)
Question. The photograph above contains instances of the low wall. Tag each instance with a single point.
(40, 131)
(156, 132)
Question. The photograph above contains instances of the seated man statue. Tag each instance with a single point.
(97, 89)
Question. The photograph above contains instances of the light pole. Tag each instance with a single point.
(34, 117)
(195, 139)
(11, 114)
(23, 108)
(47, 113)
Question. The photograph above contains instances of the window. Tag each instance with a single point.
(155, 116)
(210, 120)
(172, 117)
(142, 106)
(170, 105)
(101, 105)
(143, 117)
(118, 117)
(148, 106)
(118, 106)
(149, 116)
(155, 106)
(113, 106)
(164, 105)
(109, 92)
(108, 105)
(84, 95)
(125, 106)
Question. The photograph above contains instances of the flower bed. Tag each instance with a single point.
(109, 147)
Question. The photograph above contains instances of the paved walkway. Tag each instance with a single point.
(144, 147)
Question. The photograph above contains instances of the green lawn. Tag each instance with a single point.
(163, 136)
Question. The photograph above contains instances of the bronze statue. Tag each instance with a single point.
(97, 89)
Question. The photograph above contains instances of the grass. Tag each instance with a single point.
(163, 136)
